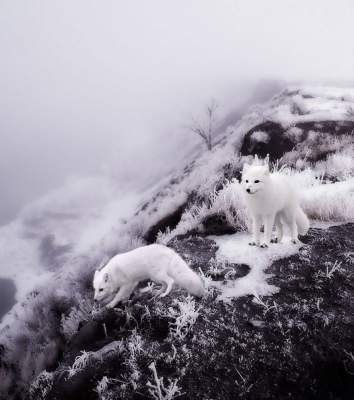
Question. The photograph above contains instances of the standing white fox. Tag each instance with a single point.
(271, 199)
(118, 279)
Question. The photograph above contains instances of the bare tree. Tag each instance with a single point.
(205, 128)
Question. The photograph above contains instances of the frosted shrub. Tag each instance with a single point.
(185, 317)
(227, 201)
(341, 164)
(159, 391)
(77, 314)
(230, 202)
(79, 364)
(41, 386)
(102, 388)
(135, 344)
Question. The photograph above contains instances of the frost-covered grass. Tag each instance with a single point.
(330, 202)
(227, 201)
(321, 200)
(295, 105)
(338, 165)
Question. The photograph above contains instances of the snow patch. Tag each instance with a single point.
(235, 249)
(260, 136)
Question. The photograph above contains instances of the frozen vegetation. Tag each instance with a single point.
(275, 323)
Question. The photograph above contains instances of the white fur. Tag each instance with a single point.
(159, 263)
(272, 199)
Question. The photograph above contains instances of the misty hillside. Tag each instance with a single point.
(275, 323)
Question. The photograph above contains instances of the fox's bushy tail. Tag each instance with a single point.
(186, 278)
(303, 223)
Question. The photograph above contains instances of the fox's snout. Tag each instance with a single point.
(248, 190)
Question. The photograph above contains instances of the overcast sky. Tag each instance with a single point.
(87, 84)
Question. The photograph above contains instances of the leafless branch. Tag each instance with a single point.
(206, 130)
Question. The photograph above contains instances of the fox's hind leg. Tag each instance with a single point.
(293, 228)
(294, 232)
(169, 282)
(161, 290)
(279, 228)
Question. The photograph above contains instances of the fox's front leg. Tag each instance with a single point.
(256, 228)
(268, 228)
(279, 226)
(294, 231)
(124, 293)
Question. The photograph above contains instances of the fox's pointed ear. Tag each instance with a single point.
(266, 169)
(266, 160)
(105, 277)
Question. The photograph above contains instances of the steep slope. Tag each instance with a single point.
(223, 345)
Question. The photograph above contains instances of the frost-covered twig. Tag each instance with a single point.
(331, 271)
(257, 299)
(79, 364)
(207, 281)
(172, 357)
(159, 391)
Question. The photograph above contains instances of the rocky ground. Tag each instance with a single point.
(297, 344)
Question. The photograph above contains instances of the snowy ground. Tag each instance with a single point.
(236, 250)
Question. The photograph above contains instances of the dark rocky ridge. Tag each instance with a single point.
(276, 146)
(279, 143)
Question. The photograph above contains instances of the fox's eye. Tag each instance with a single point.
(257, 181)
(101, 290)
(246, 180)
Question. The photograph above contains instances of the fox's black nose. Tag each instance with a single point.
(248, 190)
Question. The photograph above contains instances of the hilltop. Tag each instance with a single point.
(275, 324)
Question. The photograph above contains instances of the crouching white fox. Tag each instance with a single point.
(118, 279)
